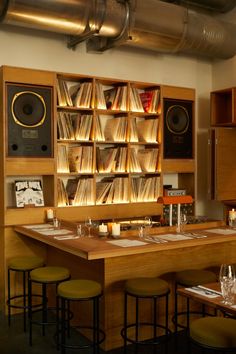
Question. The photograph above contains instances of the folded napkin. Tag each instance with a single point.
(39, 227)
(66, 237)
(204, 292)
(54, 232)
(127, 243)
(174, 237)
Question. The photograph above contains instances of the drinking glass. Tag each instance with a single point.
(79, 230)
(141, 232)
(89, 224)
(183, 222)
(227, 281)
(56, 223)
(147, 224)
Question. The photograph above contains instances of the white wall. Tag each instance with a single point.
(224, 74)
(41, 50)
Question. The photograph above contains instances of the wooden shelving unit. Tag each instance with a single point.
(223, 107)
(129, 169)
(222, 145)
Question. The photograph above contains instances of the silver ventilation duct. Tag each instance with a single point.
(212, 5)
(150, 24)
(63, 16)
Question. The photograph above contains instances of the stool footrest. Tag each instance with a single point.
(145, 341)
(100, 334)
(21, 306)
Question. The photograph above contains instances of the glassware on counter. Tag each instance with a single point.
(227, 282)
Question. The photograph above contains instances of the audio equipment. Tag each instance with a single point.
(174, 192)
(178, 129)
(29, 120)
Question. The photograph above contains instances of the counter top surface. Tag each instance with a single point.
(99, 248)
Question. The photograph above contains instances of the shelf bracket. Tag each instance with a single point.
(73, 41)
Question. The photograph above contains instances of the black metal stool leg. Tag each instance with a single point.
(188, 309)
(44, 312)
(24, 299)
(30, 310)
(155, 318)
(167, 323)
(96, 325)
(125, 323)
(9, 296)
(58, 320)
(63, 325)
(136, 323)
(167, 312)
(176, 309)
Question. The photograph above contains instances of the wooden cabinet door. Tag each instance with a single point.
(222, 163)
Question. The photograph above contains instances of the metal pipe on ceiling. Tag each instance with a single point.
(212, 5)
(62, 16)
(151, 24)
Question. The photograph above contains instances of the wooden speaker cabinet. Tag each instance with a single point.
(29, 120)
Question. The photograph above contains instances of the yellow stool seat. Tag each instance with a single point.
(49, 274)
(215, 332)
(146, 286)
(25, 263)
(79, 289)
(193, 277)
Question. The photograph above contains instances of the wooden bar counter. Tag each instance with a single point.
(111, 265)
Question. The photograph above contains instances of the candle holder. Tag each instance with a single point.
(49, 215)
(232, 218)
(103, 230)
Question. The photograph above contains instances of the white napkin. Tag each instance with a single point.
(127, 243)
(202, 292)
(55, 232)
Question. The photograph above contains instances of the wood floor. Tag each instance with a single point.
(13, 340)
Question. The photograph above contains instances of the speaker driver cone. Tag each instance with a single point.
(28, 109)
(177, 119)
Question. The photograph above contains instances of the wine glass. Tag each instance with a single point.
(227, 280)
(89, 224)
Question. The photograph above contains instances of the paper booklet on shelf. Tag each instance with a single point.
(28, 193)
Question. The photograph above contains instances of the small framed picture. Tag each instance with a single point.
(29, 193)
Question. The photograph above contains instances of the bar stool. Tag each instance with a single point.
(44, 276)
(152, 289)
(76, 291)
(22, 265)
(189, 278)
(214, 333)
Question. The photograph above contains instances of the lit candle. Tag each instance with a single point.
(102, 228)
(50, 214)
(115, 229)
(232, 214)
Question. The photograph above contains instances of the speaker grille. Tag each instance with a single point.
(177, 119)
(28, 109)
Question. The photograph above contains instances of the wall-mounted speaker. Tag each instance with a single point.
(29, 120)
(178, 129)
